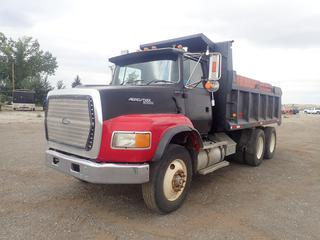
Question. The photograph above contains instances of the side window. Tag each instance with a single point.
(188, 66)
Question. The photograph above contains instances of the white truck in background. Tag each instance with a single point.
(312, 111)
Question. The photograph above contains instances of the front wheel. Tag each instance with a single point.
(170, 180)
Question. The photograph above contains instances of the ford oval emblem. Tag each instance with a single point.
(65, 121)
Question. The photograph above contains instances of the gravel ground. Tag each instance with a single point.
(278, 200)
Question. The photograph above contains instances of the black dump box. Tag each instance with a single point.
(240, 102)
(23, 96)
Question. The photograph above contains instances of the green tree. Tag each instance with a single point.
(76, 82)
(40, 86)
(60, 85)
(32, 66)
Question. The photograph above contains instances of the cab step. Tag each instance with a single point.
(213, 168)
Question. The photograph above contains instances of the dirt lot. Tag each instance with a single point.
(278, 200)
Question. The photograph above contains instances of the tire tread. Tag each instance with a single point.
(250, 154)
(267, 132)
(150, 195)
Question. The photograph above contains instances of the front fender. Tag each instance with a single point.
(162, 127)
(168, 136)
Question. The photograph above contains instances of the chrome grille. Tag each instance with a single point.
(70, 120)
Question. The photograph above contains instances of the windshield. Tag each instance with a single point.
(147, 73)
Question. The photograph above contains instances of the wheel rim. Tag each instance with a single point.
(260, 147)
(175, 179)
(272, 143)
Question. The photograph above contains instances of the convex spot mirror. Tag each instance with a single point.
(215, 67)
(212, 86)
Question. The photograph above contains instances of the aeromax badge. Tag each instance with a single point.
(65, 121)
(146, 101)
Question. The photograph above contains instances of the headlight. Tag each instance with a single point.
(139, 140)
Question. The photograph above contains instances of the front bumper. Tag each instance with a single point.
(112, 173)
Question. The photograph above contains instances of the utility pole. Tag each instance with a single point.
(12, 68)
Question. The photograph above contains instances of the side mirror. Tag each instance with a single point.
(215, 67)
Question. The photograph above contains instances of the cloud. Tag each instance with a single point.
(25, 14)
(275, 41)
(288, 24)
(10, 19)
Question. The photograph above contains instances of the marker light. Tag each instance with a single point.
(131, 140)
(214, 67)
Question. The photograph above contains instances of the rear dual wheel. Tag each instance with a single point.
(271, 142)
(262, 144)
(169, 180)
(255, 148)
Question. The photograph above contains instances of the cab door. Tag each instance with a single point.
(197, 99)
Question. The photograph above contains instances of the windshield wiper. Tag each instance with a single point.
(156, 81)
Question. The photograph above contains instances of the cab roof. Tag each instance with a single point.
(195, 43)
(148, 55)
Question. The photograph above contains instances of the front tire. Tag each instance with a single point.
(170, 180)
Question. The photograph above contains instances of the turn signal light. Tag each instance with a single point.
(143, 140)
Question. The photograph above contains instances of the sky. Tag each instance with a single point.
(275, 41)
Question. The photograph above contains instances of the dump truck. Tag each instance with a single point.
(174, 109)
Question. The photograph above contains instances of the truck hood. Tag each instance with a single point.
(123, 100)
